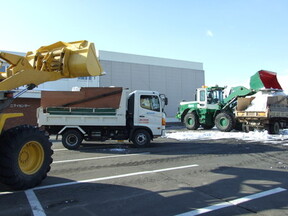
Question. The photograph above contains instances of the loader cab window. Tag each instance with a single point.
(215, 96)
(150, 102)
(202, 95)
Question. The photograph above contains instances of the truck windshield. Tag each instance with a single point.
(150, 102)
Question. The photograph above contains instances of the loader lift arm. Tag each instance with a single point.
(49, 63)
(26, 152)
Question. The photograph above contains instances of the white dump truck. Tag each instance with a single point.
(99, 114)
(268, 109)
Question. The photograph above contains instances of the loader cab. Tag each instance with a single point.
(209, 97)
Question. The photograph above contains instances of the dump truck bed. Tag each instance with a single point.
(267, 109)
(94, 117)
(274, 111)
(89, 107)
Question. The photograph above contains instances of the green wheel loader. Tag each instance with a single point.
(213, 108)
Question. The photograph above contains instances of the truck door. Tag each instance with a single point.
(148, 112)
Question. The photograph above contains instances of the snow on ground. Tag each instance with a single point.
(252, 136)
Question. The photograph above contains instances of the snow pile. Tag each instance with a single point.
(253, 136)
(260, 101)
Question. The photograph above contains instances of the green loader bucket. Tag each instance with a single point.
(264, 79)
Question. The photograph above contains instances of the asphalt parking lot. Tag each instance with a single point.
(219, 177)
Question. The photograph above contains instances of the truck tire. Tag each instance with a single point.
(224, 121)
(274, 128)
(141, 138)
(245, 128)
(72, 139)
(191, 121)
(25, 157)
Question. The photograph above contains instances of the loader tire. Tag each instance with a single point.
(191, 121)
(224, 121)
(25, 157)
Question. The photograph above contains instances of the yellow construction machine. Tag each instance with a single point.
(25, 151)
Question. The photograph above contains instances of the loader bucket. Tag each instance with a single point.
(75, 59)
(50, 63)
(264, 79)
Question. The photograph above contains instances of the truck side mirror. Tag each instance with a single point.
(164, 99)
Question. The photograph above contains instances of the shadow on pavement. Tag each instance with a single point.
(131, 199)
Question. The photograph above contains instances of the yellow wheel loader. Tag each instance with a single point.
(25, 151)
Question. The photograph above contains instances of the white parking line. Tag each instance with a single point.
(34, 203)
(114, 177)
(233, 202)
(97, 158)
(64, 149)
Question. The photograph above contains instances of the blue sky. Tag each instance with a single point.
(232, 38)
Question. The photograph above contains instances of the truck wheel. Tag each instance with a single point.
(141, 138)
(224, 122)
(245, 128)
(191, 121)
(72, 139)
(274, 128)
(25, 157)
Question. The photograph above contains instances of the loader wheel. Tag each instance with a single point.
(224, 122)
(191, 121)
(141, 138)
(72, 139)
(25, 157)
(274, 128)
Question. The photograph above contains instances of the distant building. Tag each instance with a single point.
(177, 79)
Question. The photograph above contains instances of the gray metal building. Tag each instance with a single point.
(176, 79)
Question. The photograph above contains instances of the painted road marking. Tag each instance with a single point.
(233, 202)
(115, 177)
(97, 158)
(34, 203)
(106, 178)
(60, 149)
(37, 207)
